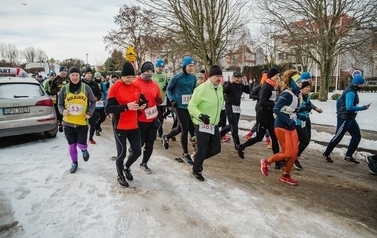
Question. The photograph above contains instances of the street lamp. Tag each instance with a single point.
(87, 58)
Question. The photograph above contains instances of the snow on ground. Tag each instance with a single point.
(48, 201)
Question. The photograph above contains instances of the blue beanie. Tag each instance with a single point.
(358, 79)
(305, 76)
(160, 63)
(187, 60)
(63, 68)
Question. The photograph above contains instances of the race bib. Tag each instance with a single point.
(293, 116)
(75, 109)
(186, 99)
(236, 109)
(273, 96)
(99, 104)
(207, 128)
(151, 112)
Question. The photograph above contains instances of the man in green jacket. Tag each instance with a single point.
(204, 108)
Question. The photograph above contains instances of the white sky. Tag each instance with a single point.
(63, 29)
(37, 190)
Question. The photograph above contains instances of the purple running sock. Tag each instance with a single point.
(73, 152)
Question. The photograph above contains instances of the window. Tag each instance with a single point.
(20, 90)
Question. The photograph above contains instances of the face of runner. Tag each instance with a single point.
(75, 78)
(128, 79)
(190, 68)
(216, 79)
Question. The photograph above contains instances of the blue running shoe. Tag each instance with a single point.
(74, 167)
(85, 155)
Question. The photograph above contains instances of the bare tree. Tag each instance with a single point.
(10, 53)
(203, 25)
(41, 56)
(136, 27)
(73, 62)
(30, 54)
(321, 29)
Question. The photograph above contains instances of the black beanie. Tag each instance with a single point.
(305, 84)
(87, 70)
(215, 70)
(272, 72)
(74, 69)
(127, 69)
(147, 66)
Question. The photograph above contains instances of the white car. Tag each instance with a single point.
(24, 105)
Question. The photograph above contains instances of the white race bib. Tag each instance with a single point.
(236, 109)
(207, 128)
(186, 99)
(75, 109)
(273, 96)
(293, 116)
(99, 104)
(151, 112)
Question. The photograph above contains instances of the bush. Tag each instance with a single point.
(335, 96)
(314, 96)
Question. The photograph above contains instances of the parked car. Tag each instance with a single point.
(24, 105)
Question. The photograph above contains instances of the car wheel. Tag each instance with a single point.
(49, 135)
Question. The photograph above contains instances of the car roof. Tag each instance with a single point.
(18, 80)
(15, 75)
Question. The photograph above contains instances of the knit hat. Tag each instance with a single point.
(305, 84)
(215, 70)
(97, 74)
(63, 68)
(187, 60)
(160, 63)
(296, 78)
(305, 76)
(87, 70)
(147, 66)
(127, 69)
(358, 79)
(74, 69)
(52, 74)
(272, 72)
(237, 74)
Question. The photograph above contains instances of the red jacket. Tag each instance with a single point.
(152, 93)
(119, 95)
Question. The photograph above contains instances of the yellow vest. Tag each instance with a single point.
(77, 106)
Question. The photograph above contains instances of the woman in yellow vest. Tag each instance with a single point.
(77, 104)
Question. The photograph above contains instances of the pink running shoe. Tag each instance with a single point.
(248, 135)
(286, 178)
(264, 166)
(225, 138)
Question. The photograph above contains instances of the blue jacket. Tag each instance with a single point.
(283, 119)
(346, 104)
(180, 89)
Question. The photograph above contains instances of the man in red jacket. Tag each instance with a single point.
(148, 122)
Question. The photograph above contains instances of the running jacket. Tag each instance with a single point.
(233, 92)
(180, 89)
(206, 100)
(152, 93)
(119, 95)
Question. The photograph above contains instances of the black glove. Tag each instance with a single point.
(173, 103)
(291, 123)
(164, 88)
(204, 118)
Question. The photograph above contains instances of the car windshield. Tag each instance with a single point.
(19, 90)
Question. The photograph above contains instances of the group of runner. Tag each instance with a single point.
(138, 106)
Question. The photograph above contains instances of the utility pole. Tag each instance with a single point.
(87, 58)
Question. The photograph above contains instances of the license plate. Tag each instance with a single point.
(16, 110)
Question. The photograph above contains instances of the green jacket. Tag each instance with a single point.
(162, 81)
(206, 100)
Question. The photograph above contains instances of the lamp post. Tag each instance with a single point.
(87, 58)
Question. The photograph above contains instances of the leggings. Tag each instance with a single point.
(133, 137)
(289, 144)
(148, 131)
(76, 137)
(161, 110)
(93, 124)
(101, 117)
(302, 138)
(182, 127)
